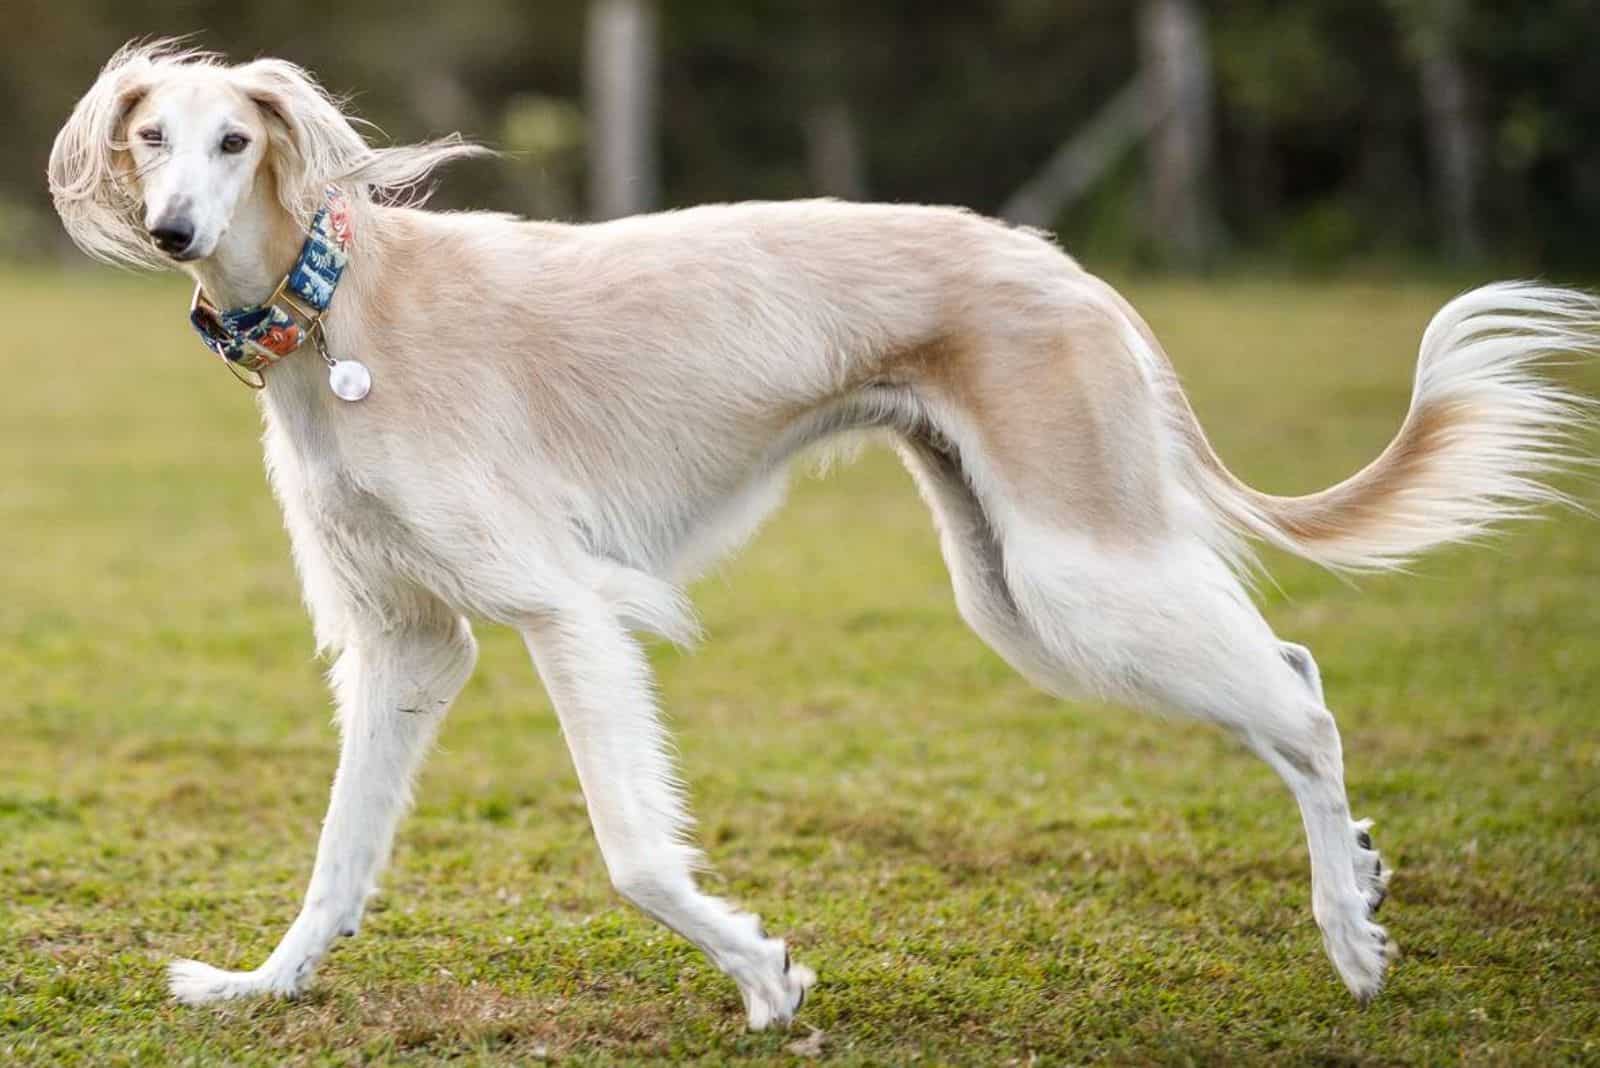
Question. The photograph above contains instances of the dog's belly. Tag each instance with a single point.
(703, 510)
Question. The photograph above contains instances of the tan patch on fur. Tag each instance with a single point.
(1364, 499)
(1353, 508)
(1341, 512)
(1066, 418)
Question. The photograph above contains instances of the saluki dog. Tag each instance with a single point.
(555, 426)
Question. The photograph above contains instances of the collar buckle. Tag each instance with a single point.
(309, 316)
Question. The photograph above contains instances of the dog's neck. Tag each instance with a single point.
(256, 251)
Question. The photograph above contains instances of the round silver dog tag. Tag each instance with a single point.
(349, 379)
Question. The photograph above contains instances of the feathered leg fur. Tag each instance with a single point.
(393, 691)
(600, 682)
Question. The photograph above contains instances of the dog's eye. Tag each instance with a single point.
(151, 135)
(234, 143)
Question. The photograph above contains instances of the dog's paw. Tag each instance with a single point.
(1360, 949)
(1371, 875)
(194, 983)
(774, 986)
(1361, 953)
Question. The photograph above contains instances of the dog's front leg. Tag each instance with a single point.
(393, 690)
(600, 682)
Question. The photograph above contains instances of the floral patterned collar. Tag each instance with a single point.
(255, 337)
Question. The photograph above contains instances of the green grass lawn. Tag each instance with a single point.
(978, 873)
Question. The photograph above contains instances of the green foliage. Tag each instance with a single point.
(980, 874)
(1275, 66)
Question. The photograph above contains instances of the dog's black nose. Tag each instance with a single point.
(172, 237)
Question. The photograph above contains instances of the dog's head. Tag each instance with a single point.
(158, 157)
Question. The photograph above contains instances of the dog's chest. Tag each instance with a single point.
(332, 489)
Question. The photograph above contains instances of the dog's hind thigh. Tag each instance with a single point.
(600, 681)
(393, 690)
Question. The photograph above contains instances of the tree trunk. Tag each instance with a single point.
(1453, 139)
(1175, 61)
(620, 81)
(833, 151)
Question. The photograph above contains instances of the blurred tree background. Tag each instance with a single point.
(1191, 134)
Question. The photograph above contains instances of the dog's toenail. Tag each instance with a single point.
(785, 960)
(1364, 840)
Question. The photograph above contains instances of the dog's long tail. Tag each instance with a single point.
(1484, 432)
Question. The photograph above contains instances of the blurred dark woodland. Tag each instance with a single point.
(1177, 133)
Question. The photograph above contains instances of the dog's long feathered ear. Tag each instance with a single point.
(89, 169)
(314, 144)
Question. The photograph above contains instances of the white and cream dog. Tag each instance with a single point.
(566, 422)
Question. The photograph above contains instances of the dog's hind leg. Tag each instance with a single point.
(393, 690)
(1168, 627)
(1081, 555)
(1296, 734)
(600, 682)
(975, 558)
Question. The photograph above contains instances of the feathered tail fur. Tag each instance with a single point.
(1484, 431)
